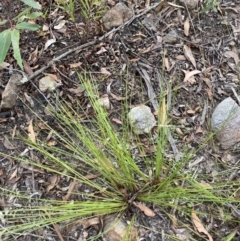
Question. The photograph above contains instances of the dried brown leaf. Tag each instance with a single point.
(180, 57)
(14, 174)
(90, 222)
(208, 82)
(167, 64)
(75, 65)
(231, 54)
(188, 54)
(7, 144)
(117, 121)
(31, 133)
(147, 211)
(53, 181)
(210, 94)
(199, 226)
(78, 91)
(52, 143)
(186, 26)
(29, 99)
(188, 74)
(70, 190)
(105, 72)
(116, 97)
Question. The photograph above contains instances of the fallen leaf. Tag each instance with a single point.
(116, 97)
(167, 64)
(4, 65)
(70, 190)
(210, 94)
(53, 76)
(186, 26)
(90, 222)
(49, 43)
(199, 226)
(53, 181)
(75, 65)
(188, 74)
(7, 144)
(147, 211)
(60, 24)
(78, 91)
(102, 50)
(208, 82)
(29, 99)
(117, 121)
(180, 57)
(92, 176)
(105, 72)
(14, 174)
(231, 54)
(188, 54)
(31, 134)
(52, 143)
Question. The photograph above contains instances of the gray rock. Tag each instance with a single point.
(141, 119)
(9, 95)
(226, 122)
(116, 16)
(171, 37)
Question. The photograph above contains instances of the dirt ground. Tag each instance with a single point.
(139, 60)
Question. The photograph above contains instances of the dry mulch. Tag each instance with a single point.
(140, 58)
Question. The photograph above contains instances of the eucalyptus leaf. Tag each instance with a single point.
(32, 4)
(5, 41)
(27, 26)
(15, 36)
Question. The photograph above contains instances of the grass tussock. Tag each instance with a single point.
(95, 148)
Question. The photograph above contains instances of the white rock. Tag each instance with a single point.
(141, 119)
(47, 83)
(226, 121)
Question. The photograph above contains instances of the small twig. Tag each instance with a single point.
(235, 94)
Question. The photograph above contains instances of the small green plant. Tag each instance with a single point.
(95, 149)
(210, 5)
(12, 35)
(89, 9)
(68, 7)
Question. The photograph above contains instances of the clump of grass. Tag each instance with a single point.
(89, 9)
(98, 149)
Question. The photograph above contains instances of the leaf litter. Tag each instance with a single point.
(184, 62)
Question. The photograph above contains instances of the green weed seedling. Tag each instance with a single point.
(12, 35)
(210, 5)
(95, 148)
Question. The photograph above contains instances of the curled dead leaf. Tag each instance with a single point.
(188, 74)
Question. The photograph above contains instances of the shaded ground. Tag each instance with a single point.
(131, 63)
